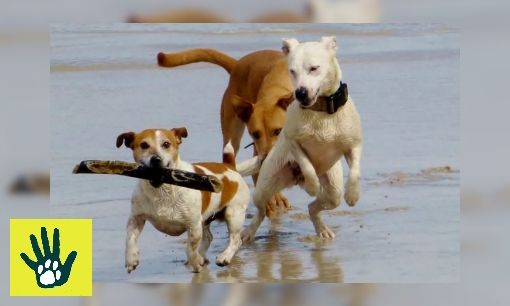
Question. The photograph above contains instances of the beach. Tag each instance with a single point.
(404, 80)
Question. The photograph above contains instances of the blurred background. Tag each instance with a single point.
(25, 123)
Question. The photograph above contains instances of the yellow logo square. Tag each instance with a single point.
(51, 257)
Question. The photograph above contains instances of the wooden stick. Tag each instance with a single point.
(164, 175)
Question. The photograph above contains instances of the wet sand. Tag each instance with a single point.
(404, 81)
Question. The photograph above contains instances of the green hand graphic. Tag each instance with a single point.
(49, 271)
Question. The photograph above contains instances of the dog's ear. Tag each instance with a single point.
(288, 44)
(180, 133)
(286, 100)
(126, 138)
(242, 108)
(329, 43)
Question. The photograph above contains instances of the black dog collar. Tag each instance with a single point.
(333, 102)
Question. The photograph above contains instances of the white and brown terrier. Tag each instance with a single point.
(174, 210)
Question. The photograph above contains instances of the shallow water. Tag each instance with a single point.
(404, 80)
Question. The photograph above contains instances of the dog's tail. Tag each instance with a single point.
(249, 167)
(246, 168)
(196, 56)
(229, 157)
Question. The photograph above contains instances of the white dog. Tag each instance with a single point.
(174, 210)
(321, 128)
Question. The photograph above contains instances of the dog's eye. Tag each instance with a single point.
(256, 135)
(166, 145)
(144, 146)
(314, 68)
(277, 131)
(292, 72)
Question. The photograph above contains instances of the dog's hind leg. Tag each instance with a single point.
(234, 215)
(234, 134)
(352, 187)
(232, 127)
(329, 197)
(207, 237)
(134, 229)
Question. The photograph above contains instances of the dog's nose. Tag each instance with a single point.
(301, 93)
(156, 160)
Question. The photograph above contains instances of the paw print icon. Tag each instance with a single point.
(49, 271)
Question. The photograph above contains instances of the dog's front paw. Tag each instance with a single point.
(132, 259)
(223, 260)
(352, 192)
(312, 185)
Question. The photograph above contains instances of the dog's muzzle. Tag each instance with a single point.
(301, 95)
(156, 162)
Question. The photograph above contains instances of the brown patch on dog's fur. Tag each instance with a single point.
(206, 195)
(217, 168)
(228, 192)
(229, 187)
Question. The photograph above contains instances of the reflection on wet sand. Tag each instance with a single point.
(268, 255)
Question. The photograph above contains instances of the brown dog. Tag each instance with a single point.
(257, 97)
